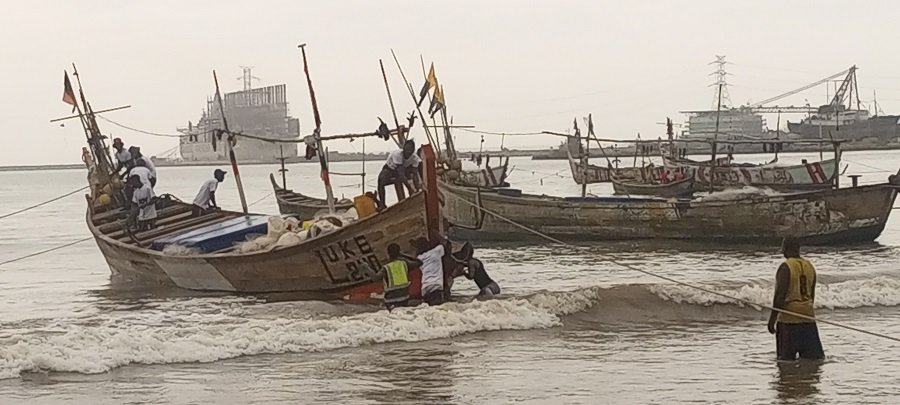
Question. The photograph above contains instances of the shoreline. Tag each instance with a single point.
(536, 154)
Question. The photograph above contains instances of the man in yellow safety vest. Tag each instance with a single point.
(795, 291)
(396, 277)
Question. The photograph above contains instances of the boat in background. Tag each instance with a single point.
(832, 216)
(673, 189)
(303, 206)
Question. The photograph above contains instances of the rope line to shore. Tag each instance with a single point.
(46, 251)
(43, 203)
(670, 279)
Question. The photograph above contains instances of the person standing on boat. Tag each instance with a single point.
(137, 156)
(396, 277)
(401, 166)
(795, 291)
(431, 254)
(205, 201)
(123, 157)
(142, 172)
(144, 203)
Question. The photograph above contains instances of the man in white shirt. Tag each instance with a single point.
(137, 156)
(401, 166)
(205, 201)
(432, 257)
(144, 204)
(123, 157)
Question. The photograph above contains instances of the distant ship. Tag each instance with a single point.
(259, 111)
(844, 122)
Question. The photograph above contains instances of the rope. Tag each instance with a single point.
(46, 250)
(880, 170)
(502, 133)
(43, 203)
(261, 199)
(141, 130)
(670, 279)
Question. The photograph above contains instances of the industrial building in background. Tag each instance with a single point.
(258, 111)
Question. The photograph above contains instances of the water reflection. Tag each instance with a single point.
(798, 381)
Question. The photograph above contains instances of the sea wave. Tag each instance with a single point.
(99, 348)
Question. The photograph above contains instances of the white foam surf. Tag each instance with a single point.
(205, 338)
(876, 291)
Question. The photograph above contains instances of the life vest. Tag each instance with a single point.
(396, 279)
(799, 297)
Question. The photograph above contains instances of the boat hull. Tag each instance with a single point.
(335, 264)
(679, 188)
(822, 217)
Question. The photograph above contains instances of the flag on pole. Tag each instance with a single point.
(68, 93)
(437, 102)
(430, 82)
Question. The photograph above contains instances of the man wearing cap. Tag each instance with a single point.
(205, 201)
(123, 157)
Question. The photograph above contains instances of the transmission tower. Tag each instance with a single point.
(721, 80)
(248, 77)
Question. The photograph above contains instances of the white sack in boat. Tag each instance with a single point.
(175, 249)
(288, 239)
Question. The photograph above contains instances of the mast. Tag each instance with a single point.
(229, 145)
(363, 173)
(317, 134)
(401, 137)
(712, 163)
(282, 170)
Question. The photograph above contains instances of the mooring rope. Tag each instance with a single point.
(46, 251)
(670, 279)
(43, 203)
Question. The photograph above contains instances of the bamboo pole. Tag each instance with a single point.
(320, 150)
(229, 145)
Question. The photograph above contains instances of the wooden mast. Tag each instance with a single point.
(317, 134)
(229, 145)
(401, 137)
(712, 163)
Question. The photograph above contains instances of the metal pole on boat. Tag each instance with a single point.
(317, 134)
(230, 147)
(283, 170)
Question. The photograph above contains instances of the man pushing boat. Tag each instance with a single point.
(401, 166)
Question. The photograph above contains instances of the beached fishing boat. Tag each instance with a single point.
(846, 215)
(805, 176)
(202, 252)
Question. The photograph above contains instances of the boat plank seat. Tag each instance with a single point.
(163, 216)
(109, 215)
(172, 228)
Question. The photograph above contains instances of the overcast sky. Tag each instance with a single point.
(505, 65)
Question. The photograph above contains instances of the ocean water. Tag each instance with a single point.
(570, 327)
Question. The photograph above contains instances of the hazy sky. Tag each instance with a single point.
(505, 65)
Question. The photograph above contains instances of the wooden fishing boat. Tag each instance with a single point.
(583, 172)
(340, 263)
(846, 215)
(677, 188)
(303, 206)
(805, 176)
(483, 177)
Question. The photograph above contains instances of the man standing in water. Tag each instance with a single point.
(795, 291)
(431, 254)
(396, 277)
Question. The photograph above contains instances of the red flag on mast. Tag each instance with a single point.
(68, 93)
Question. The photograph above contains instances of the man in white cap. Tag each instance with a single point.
(205, 201)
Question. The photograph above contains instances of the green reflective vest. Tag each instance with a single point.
(396, 275)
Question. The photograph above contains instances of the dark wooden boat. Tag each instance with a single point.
(678, 188)
(303, 206)
(833, 216)
(339, 263)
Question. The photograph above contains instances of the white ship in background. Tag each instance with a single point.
(259, 111)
